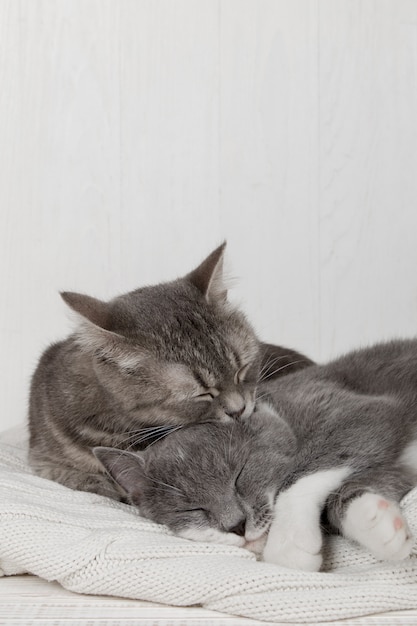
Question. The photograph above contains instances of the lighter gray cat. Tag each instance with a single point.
(334, 443)
(142, 364)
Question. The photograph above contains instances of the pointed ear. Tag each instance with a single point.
(93, 334)
(208, 276)
(125, 468)
(95, 311)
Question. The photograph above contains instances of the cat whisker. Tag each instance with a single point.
(266, 514)
(282, 368)
(265, 506)
(172, 430)
(146, 432)
(160, 433)
(270, 362)
(166, 485)
(261, 396)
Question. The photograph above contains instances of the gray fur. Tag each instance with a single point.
(358, 411)
(134, 367)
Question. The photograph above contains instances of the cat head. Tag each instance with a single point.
(178, 351)
(208, 478)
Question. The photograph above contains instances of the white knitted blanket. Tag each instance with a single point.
(93, 545)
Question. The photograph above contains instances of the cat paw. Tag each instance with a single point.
(299, 551)
(378, 524)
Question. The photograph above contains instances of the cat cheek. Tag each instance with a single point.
(195, 412)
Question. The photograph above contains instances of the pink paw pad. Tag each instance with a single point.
(377, 524)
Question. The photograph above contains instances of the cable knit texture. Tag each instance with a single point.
(91, 544)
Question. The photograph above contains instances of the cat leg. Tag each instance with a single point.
(371, 516)
(295, 538)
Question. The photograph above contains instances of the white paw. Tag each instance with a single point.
(378, 525)
(296, 550)
(294, 538)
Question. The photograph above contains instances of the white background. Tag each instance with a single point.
(136, 135)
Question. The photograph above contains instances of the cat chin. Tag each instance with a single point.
(224, 418)
(249, 409)
(209, 535)
(256, 545)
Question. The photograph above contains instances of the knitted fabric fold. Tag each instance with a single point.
(93, 545)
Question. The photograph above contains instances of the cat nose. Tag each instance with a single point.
(236, 414)
(239, 529)
(233, 404)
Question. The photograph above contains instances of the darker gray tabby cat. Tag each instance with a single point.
(142, 364)
(340, 437)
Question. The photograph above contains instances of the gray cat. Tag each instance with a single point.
(338, 440)
(139, 366)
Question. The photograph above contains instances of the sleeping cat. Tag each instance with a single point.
(340, 437)
(139, 366)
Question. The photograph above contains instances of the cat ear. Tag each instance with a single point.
(125, 468)
(93, 332)
(208, 276)
(95, 311)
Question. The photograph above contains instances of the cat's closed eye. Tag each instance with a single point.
(238, 476)
(129, 371)
(206, 396)
(193, 510)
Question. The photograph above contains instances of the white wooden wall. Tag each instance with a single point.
(135, 135)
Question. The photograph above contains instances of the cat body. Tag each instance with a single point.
(338, 440)
(141, 365)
